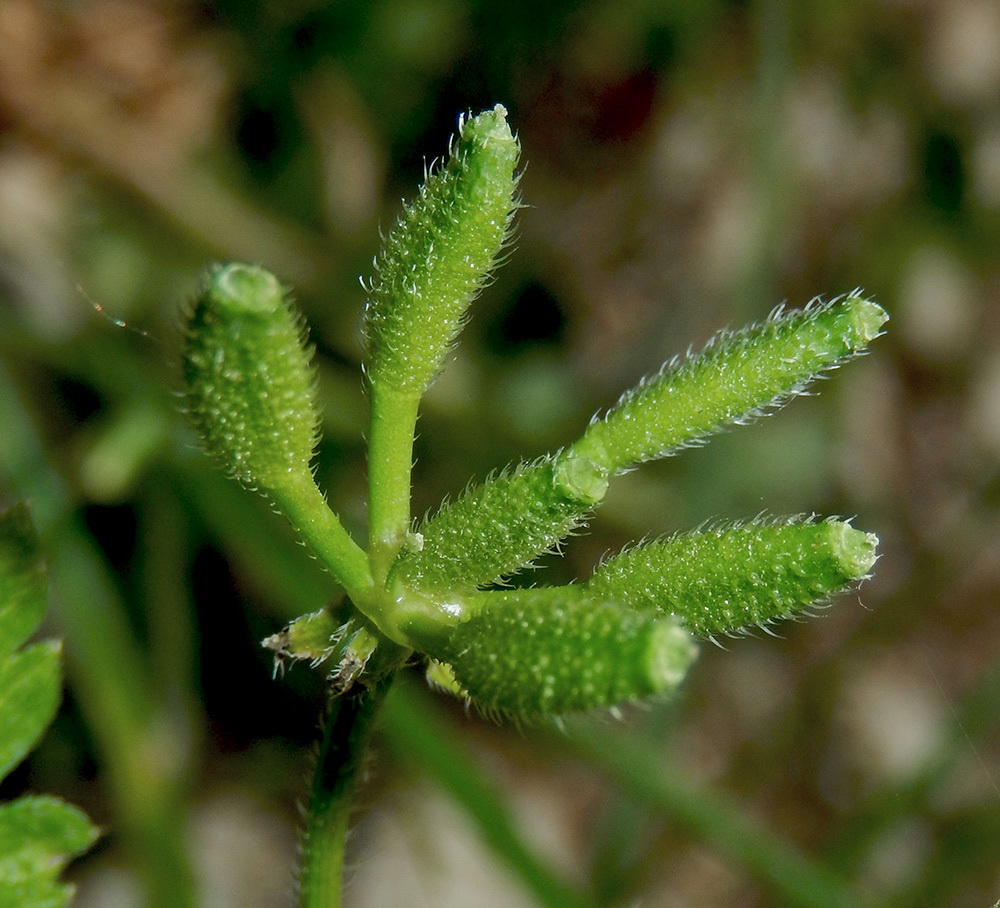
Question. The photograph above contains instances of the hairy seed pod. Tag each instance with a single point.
(736, 378)
(729, 579)
(439, 254)
(501, 526)
(552, 651)
(250, 389)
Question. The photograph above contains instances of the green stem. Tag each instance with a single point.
(306, 509)
(275, 562)
(347, 729)
(390, 463)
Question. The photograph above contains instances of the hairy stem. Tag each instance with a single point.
(347, 729)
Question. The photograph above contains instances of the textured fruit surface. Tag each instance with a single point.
(558, 650)
(495, 529)
(736, 378)
(729, 579)
(439, 254)
(249, 383)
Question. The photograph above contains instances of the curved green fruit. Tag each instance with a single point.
(497, 528)
(737, 377)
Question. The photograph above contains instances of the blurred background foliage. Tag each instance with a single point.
(688, 166)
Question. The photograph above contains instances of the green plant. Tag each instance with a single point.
(38, 833)
(431, 590)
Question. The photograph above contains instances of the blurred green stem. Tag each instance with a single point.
(173, 631)
(419, 735)
(642, 771)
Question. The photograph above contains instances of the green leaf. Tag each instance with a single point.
(22, 580)
(30, 683)
(38, 835)
(30, 689)
(35, 892)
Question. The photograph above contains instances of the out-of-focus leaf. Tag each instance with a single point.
(29, 697)
(22, 579)
(38, 835)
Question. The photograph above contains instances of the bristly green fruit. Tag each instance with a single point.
(558, 650)
(736, 378)
(251, 394)
(730, 579)
(250, 388)
(500, 527)
(497, 528)
(440, 253)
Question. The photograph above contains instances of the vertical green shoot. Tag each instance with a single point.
(434, 261)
